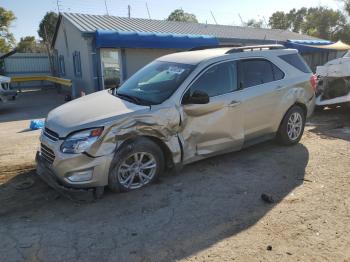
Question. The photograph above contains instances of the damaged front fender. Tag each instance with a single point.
(160, 123)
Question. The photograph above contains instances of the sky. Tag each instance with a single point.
(227, 12)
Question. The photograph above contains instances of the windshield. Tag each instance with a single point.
(155, 83)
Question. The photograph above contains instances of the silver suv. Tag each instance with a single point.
(180, 108)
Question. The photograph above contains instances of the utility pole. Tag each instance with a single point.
(106, 8)
(149, 15)
(58, 6)
(242, 22)
(213, 17)
(129, 11)
(266, 23)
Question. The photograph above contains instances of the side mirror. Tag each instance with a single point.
(197, 97)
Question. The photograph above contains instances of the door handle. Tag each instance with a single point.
(234, 103)
(279, 87)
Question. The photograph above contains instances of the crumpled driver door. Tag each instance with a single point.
(213, 128)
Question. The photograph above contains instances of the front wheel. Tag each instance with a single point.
(292, 126)
(135, 165)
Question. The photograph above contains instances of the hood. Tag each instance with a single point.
(338, 61)
(88, 111)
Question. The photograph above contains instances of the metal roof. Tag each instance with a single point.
(90, 23)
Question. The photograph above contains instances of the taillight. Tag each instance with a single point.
(313, 82)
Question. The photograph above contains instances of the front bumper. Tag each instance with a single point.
(65, 165)
(47, 175)
(6, 95)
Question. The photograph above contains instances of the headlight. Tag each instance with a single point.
(81, 141)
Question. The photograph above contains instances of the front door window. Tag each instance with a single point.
(217, 80)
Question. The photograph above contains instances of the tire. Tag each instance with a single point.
(285, 134)
(125, 168)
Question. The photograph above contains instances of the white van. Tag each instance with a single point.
(5, 92)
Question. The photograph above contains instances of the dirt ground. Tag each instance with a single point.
(211, 211)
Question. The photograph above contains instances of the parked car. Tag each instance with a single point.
(181, 108)
(5, 92)
(334, 82)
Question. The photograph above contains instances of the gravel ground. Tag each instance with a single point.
(211, 211)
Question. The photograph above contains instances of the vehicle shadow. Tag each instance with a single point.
(178, 217)
(30, 105)
(331, 123)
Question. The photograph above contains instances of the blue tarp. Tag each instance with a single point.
(115, 39)
(36, 124)
(305, 46)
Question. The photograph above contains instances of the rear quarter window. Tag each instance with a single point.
(296, 61)
(278, 73)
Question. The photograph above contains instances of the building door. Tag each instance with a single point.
(111, 67)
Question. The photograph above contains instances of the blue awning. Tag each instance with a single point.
(115, 39)
(306, 46)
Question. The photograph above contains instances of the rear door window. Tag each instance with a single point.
(255, 72)
(296, 61)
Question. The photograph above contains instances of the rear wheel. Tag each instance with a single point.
(292, 126)
(135, 165)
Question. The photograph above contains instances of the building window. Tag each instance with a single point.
(110, 63)
(77, 64)
(61, 66)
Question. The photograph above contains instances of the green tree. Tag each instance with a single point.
(279, 20)
(343, 35)
(296, 18)
(47, 27)
(46, 31)
(28, 44)
(7, 40)
(323, 23)
(346, 6)
(181, 16)
(320, 22)
(292, 20)
(254, 23)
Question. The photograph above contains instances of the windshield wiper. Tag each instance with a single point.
(132, 99)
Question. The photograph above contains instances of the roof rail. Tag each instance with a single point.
(254, 48)
(212, 47)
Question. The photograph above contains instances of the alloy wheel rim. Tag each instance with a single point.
(294, 126)
(137, 170)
